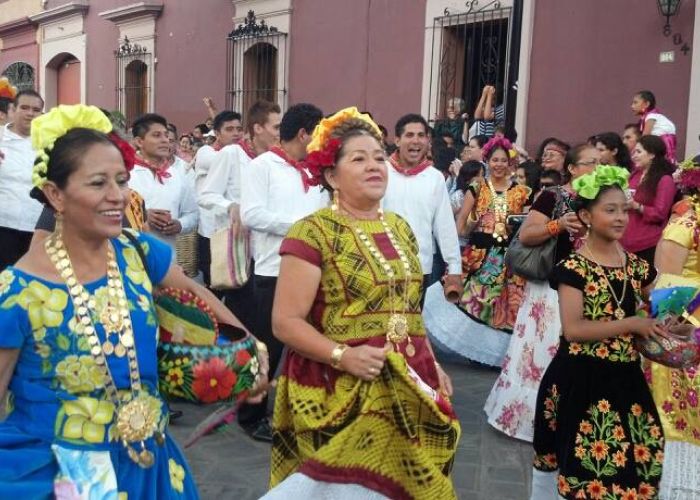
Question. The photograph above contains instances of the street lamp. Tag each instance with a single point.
(668, 9)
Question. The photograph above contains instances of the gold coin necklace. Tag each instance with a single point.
(136, 419)
(397, 326)
(500, 210)
(619, 311)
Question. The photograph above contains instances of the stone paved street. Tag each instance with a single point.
(489, 466)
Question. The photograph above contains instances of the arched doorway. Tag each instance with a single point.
(259, 74)
(68, 81)
(136, 90)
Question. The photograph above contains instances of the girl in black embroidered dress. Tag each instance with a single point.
(595, 418)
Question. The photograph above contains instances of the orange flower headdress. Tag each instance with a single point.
(7, 90)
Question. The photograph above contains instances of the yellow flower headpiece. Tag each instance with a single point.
(325, 127)
(56, 123)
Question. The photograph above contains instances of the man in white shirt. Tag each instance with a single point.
(220, 192)
(18, 211)
(275, 194)
(167, 190)
(418, 193)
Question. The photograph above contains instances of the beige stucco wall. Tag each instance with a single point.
(14, 9)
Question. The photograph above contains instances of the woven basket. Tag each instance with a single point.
(186, 249)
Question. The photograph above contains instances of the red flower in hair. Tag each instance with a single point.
(127, 151)
(317, 161)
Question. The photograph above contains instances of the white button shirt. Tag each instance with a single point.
(422, 200)
(17, 209)
(176, 194)
(272, 199)
(220, 187)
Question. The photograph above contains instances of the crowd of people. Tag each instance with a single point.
(366, 259)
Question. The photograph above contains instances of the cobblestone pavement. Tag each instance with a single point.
(489, 465)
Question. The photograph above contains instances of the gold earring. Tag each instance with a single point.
(336, 201)
(58, 228)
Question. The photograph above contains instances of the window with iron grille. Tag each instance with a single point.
(471, 49)
(21, 75)
(256, 65)
(134, 63)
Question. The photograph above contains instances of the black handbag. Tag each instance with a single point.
(533, 262)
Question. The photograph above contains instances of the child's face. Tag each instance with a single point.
(639, 105)
(608, 216)
(520, 176)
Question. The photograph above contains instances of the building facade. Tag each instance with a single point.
(563, 67)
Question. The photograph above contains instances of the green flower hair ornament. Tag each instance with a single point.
(47, 128)
(589, 185)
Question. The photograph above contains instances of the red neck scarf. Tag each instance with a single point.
(247, 146)
(305, 176)
(160, 172)
(408, 172)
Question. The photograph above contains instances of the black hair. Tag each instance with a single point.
(467, 172)
(66, 155)
(659, 167)
(635, 126)
(5, 104)
(410, 118)
(30, 93)
(383, 130)
(300, 116)
(553, 175)
(202, 127)
(508, 132)
(172, 128)
(226, 116)
(580, 203)
(573, 155)
(143, 124)
(532, 174)
(480, 139)
(612, 140)
(443, 157)
(648, 96)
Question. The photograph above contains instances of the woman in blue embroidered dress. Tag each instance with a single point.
(78, 334)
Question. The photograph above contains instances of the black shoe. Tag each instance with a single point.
(259, 431)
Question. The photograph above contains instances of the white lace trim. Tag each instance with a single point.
(301, 486)
(680, 479)
(460, 336)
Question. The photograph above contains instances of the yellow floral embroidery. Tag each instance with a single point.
(177, 475)
(45, 306)
(87, 419)
(79, 374)
(6, 279)
(134, 268)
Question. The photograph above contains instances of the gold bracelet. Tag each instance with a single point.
(337, 354)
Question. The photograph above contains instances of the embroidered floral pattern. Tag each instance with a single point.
(551, 408)
(177, 475)
(604, 447)
(598, 305)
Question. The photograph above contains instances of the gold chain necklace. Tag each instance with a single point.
(500, 210)
(619, 311)
(136, 419)
(397, 326)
